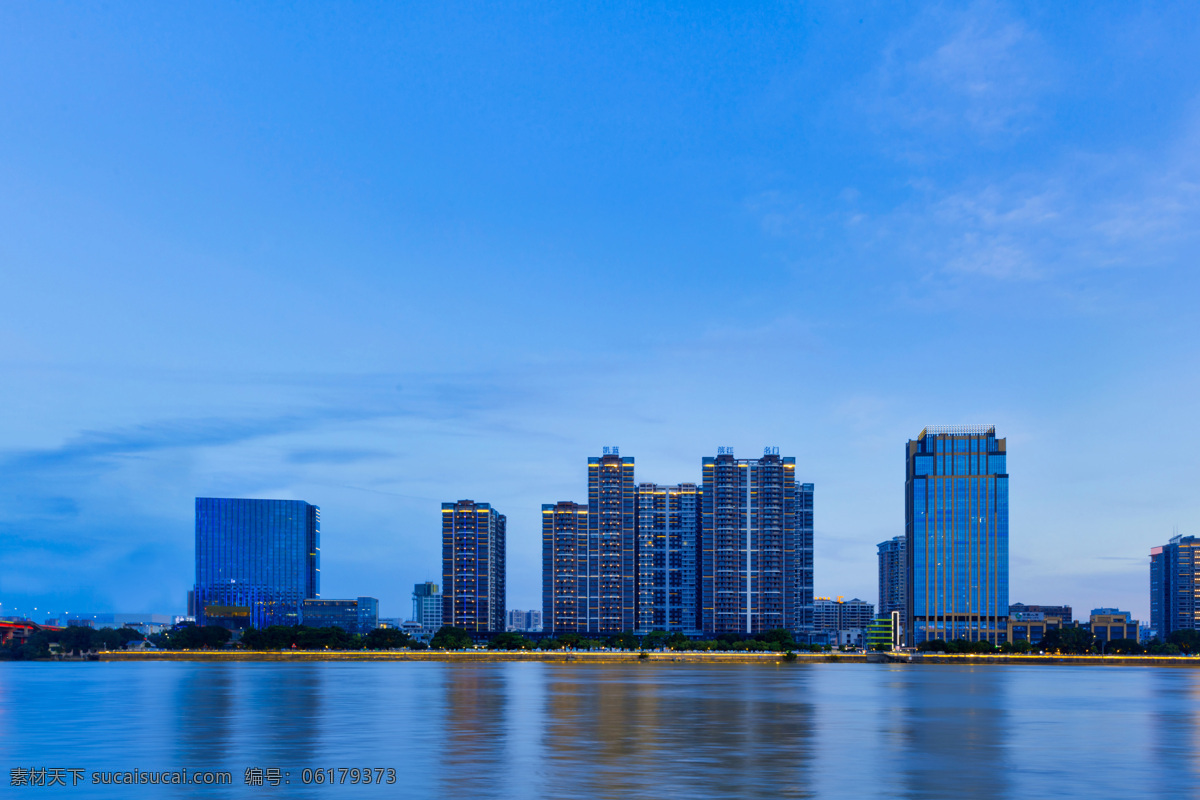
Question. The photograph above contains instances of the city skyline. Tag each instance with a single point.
(343, 255)
(623, 479)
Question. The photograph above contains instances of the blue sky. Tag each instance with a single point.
(378, 258)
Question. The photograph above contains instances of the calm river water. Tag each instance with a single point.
(515, 730)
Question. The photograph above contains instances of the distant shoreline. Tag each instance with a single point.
(612, 657)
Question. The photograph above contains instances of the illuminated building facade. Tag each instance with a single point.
(473, 567)
(956, 532)
(1175, 586)
(749, 573)
(257, 561)
(564, 567)
(611, 599)
(802, 618)
(668, 522)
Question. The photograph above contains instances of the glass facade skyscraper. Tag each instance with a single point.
(1175, 586)
(473, 568)
(893, 576)
(748, 561)
(668, 522)
(956, 535)
(256, 560)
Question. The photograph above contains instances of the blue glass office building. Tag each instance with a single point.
(1175, 586)
(956, 535)
(256, 560)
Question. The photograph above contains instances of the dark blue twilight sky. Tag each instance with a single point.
(378, 258)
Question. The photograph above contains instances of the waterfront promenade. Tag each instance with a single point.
(620, 657)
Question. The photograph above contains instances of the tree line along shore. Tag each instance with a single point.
(83, 642)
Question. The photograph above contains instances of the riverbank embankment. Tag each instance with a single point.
(617, 657)
(472, 656)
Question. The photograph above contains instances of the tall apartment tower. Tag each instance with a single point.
(565, 567)
(1174, 583)
(257, 561)
(804, 619)
(956, 532)
(612, 544)
(668, 522)
(427, 606)
(748, 571)
(473, 569)
(892, 574)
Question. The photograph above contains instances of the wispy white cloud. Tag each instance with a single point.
(978, 70)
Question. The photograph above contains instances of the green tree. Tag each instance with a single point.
(196, 637)
(624, 641)
(386, 639)
(449, 637)
(550, 644)
(1124, 647)
(1068, 640)
(1188, 641)
(655, 640)
(510, 641)
(780, 636)
(1157, 647)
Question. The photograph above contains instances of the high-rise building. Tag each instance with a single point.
(748, 569)
(256, 560)
(956, 531)
(473, 568)
(803, 619)
(565, 567)
(840, 615)
(1175, 586)
(612, 544)
(353, 616)
(892, 575)
(668, 522)
(427, 606)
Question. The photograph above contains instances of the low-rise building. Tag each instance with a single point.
(1031, 626)
(1109, 624)
(143, 623)
(841, 615)
(360, 615)
(524, 620)
(1061, 612)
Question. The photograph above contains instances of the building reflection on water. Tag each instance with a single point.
(621, 731)
(952, 733)
(637, 730)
